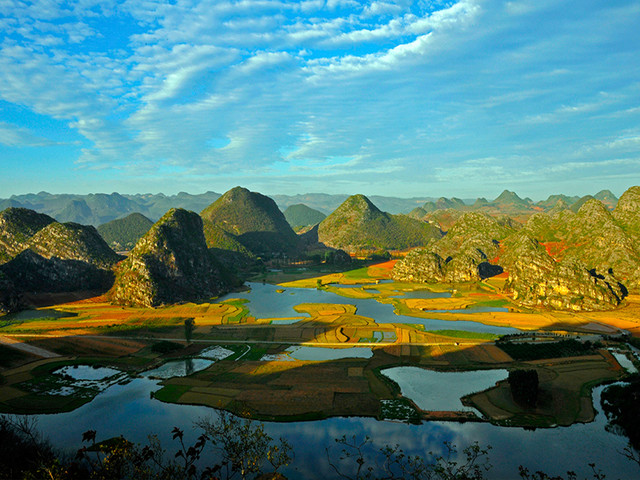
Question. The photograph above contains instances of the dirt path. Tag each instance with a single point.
(25, 347)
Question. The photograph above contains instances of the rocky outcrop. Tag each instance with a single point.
(627, 211)
(536, 279)
(17, 226)
(464, 254)
(72, 241)
(169, 264)
(420, 265)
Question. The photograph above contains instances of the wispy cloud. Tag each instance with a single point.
(417, 91)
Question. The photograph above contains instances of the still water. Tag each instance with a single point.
(265, 302)
(129, 410)
(425, 387)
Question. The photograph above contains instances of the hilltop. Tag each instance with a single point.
(169, 264)
(72, 241)
(123, 233)
(358, 225)
(300, 216)
(253, 220)
(17, 226)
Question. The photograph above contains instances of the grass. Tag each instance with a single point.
(360, 273)
(171, 393)
(465, 334)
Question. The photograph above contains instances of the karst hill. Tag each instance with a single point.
(583, 260)
(123, 233)
(39, 254)
(169, 264)
(252, 220)
(357, 225)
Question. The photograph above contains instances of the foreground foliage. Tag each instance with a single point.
(242, 450)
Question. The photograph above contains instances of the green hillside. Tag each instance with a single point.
(123, 233)
(300, 216)
(358, 225)
(254, 220)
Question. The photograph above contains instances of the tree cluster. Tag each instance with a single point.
(524, 386)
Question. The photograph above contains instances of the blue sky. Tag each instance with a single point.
(424, 98)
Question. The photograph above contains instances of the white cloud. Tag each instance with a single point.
(397, 86)
(15, 136)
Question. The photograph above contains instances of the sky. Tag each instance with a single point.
(396, 98)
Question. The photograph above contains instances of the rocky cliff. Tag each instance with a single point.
(536, 279)
(464, 254)
(17, 226)
(72, 241)
(169, 264)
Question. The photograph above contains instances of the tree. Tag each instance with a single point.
(356, 461)
(189, 327)
(524, 386)
(244, 446)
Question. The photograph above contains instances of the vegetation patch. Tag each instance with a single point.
(465, 334)
(399, 409)
(171, 393)
(536, 351)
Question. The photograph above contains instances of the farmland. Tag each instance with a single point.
(262, 377)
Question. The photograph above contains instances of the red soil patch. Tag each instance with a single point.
(385, 265)
(554, 249)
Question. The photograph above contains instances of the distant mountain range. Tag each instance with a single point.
(99, 208)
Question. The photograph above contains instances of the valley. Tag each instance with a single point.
(426, 327)
(365, 315)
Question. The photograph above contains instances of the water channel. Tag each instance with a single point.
(266, 302)
(127, 407)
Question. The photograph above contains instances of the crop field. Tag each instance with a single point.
(565, 392)
(262, 380)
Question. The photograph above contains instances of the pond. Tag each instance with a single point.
(129, 410)
(178, 368)
(265, 302)
(424, 387)
(85, 372)
(305, 353)
(625, 362)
